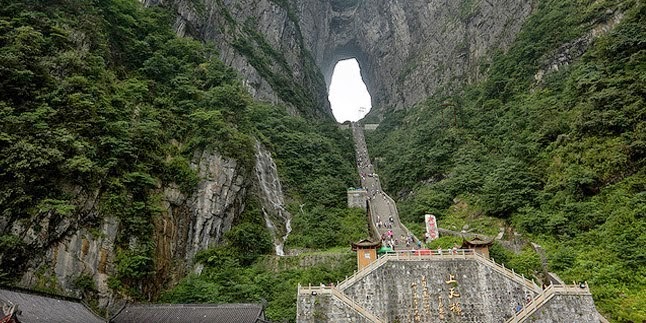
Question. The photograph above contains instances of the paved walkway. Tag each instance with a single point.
(383, 208)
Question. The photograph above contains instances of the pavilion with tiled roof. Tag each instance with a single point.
(479, 243)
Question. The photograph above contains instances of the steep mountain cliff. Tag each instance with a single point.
(407, 50)
(126, 151)
(128, 155)
(550, 142)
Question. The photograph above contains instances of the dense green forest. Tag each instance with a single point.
(561, 160)
(102, 98)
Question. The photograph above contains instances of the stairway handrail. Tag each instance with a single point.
(546, 295)
(358, 308)
(401, 225)
(373, 226)
(342, 297)
(362, 273)
(507, 272)
(416, 255)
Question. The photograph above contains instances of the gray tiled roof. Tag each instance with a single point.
(39, 308)
(212, 313)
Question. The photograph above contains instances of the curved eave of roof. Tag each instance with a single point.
(366, 243)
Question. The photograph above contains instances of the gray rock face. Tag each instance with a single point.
(570, 51)
(185, 226)
(218, 199)
(407, 50)
(84, 253)
(259, 39)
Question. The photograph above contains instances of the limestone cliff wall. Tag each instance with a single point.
(262, 40)
(65, 249)
(407, 50)
(83, 253)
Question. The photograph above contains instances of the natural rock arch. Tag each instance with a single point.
(408, 50)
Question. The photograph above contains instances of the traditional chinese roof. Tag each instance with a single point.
(40, 307)
(365, 244)
(477, 241)
(213, 313)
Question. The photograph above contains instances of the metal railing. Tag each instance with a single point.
(547, 294)
(316, 290)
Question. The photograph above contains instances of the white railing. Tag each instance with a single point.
(547, 294)
(362, 273)
(314, 290)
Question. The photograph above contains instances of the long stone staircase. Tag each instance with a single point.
(381, 206)
(390, 288)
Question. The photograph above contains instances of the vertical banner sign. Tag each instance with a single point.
(431, 226)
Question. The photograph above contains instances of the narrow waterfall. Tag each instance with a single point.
(277, 218)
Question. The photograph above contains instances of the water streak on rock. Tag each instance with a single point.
(277, 218)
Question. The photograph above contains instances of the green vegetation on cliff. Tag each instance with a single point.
(102, 106)
(562, 159)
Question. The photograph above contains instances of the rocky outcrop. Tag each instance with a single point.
(191, 224)
(185, 226)
(569, 52)
(260, 39)
(86, 253)
(64, 249)
(407, 50)
(218, 199)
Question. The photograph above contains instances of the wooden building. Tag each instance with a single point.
(479, 244)
(366, 252)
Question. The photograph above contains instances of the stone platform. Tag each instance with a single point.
(449, 287)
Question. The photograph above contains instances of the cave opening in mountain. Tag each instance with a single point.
(348, 94)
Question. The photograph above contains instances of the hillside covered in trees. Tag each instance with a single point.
(560, 158)
(103, 107)
(101, 98)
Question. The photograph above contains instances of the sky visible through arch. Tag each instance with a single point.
(347, 92)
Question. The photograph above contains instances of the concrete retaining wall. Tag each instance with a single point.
(395, 291)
